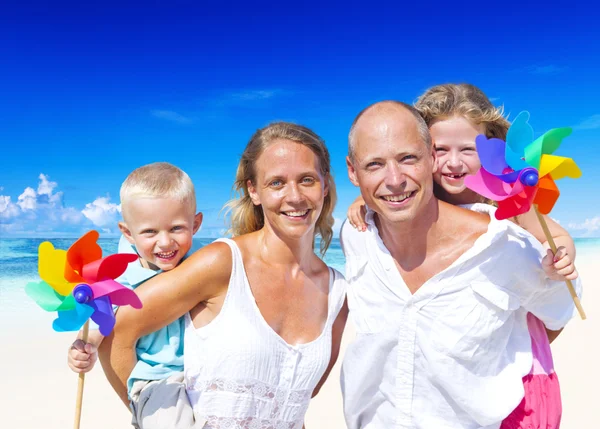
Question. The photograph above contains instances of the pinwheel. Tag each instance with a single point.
(79, 284)
(519, 174)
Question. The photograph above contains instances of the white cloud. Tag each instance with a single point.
(45, 187)
(28, 199)
(589, 226)
(257, 94)
(170, 115)
(8, 209)
(102, 212)
(590, 123)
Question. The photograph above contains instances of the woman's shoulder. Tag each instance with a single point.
(212, 261)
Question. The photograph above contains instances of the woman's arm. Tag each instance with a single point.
(337, 331)
(165, 298)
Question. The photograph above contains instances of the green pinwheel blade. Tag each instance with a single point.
(47, 298)
(545, 145)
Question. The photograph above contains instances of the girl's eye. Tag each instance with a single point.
(469, 149)
(440, 149)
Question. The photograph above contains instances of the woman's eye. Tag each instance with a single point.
(308, 180)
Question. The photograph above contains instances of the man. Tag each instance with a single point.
(438, 294)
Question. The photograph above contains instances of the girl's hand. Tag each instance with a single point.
(559, 266)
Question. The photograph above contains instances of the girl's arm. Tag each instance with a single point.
(555, 266)
(165, 298)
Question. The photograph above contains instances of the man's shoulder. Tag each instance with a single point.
(352, 240)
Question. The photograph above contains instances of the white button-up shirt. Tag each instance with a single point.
(453, 354)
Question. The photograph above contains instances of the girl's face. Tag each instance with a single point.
(454, 140)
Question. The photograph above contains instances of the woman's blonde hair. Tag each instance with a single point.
(444, 101)
(247, 217)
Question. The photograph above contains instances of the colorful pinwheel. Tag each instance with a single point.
(79, 284)
(520, 174)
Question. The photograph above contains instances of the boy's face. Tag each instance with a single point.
(161, 230)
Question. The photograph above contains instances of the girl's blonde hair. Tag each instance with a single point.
(245, 216)
(444, 101)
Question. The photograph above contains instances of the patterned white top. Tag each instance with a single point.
(452, 355)
(240, 374)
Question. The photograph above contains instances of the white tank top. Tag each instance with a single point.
(240, 374)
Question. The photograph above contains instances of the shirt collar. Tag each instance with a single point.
(135, 272)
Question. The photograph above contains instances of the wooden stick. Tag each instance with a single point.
(553, 247)
(84, 338)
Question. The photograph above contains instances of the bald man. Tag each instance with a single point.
(438, 294)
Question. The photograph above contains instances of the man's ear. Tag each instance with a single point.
(253, 194)
(351, 171)
(197, 222)
(126, 232)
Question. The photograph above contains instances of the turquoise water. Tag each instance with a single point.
(18, 264)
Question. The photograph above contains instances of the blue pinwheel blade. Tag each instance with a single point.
(491, 154)
(514, 160)
(520, 135)
(103, 315)
(72, 320)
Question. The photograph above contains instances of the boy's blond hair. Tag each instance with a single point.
(158, 180)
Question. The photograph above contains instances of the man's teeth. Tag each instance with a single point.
(296, 214)
(166, 255)
(397, 198)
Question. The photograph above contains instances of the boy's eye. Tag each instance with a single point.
(177, 228)
(149, 231)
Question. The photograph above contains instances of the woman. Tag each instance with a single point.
(266, 315)
(455, 115)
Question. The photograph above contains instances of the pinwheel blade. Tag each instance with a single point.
(51, 267)
(520, 134)
(489, 186)
(82, 252)
(516, 204)
(109, 267)
(491, 154)
(545, 145)
(47, 298)
(72, 320)
(119, 294)
(559, 167)
(547, 195)
(103, 314)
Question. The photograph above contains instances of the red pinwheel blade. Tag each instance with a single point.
(547, 194)
(109, 267)
(517, 204)
(82, 252)
(119, 294)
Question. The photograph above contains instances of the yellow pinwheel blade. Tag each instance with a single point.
(559, 167)
(51, 266)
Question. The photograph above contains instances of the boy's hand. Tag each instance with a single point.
(82, 356)
(357, 212)
(559, 266)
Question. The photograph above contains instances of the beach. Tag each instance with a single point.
(38, 389)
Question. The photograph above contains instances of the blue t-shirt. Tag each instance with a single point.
(159, 354)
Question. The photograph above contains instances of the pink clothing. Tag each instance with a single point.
(541, 408)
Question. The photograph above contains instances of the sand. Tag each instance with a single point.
(38, 390)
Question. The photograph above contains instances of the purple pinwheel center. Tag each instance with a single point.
(83, 293)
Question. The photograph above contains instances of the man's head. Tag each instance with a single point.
(158, 204)
(391, 159)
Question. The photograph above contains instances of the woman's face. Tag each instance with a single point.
(454, 140)
(290, 188)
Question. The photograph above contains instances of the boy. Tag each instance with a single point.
(158, 205)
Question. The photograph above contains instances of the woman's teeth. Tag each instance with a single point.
(296, 214)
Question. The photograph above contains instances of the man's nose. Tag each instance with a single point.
(394, 177)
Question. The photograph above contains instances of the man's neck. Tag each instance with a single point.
(409, 242)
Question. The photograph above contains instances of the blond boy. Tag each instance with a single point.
(159, 219)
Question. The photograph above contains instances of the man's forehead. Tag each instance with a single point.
(386, 130)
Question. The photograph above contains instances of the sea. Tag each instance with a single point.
(19, 259)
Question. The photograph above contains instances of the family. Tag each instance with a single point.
(454, 310)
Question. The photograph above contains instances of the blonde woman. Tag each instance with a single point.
(455, 115)
(266, 315)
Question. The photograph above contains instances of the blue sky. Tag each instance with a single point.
(90, 92)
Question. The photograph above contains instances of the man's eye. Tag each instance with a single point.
(373, 164)
(276, 183)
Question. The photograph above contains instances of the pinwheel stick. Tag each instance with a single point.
(553, 247)
(84, 338)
